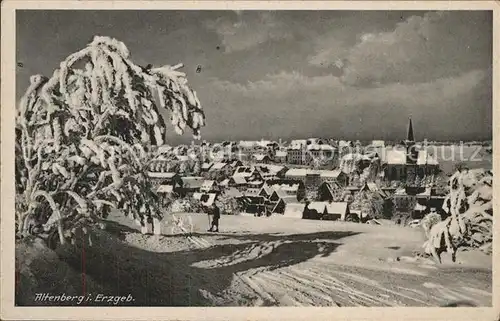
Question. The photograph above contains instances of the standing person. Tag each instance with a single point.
(215, 218)
(209, 215)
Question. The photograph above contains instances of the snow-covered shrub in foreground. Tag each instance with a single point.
(82, 138)
(470, 207)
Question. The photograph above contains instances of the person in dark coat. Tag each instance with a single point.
(215, 218)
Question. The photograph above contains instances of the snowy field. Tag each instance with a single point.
(284, 262)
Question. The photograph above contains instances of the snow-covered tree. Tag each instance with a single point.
(470, 208)
(228, 204)
(369, 203)
(83, 138)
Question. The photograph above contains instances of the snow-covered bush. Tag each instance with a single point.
(360, 168)
(83, 138)
(470, 208)
(369, 203)
(228, 204)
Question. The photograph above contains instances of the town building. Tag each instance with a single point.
(161, 178)
(280, 206)
(280, 156)
(334, 176)
(190, 184)
(209, 186)
(269, 171)
(261, 158)
(287, 187)
(329, 191)
(407, 163)
(300, 154)
(220, 170)
(327, 210)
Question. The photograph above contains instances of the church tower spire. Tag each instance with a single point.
(409, 136)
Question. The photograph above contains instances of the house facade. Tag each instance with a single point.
(280, 156)
(300, 154)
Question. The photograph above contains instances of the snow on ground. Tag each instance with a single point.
(280, 261)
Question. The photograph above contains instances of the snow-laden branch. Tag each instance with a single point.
(83, 133)
(470, 208)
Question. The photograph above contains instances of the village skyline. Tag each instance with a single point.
(354, 75)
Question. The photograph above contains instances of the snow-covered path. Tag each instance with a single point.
(286, 262)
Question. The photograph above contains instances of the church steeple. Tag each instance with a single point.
(409, 136)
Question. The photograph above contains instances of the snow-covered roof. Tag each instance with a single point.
(298, 142)
(281, 153)
(233, 192)
(287, 199)
(424, 158)
(161, 175)
(263, 143)
(289, 188)
(238, 179)
(206, 166)
(217, 166)
(294, 209)
(378, 143)
(271, 168)
(244, 171)
(165, 189)
(207, 184)
(370, 156)
(317, 206)
(333, 174)
(395, 157)
(224, 182)
(260, 157)
(320, 147)
(246, 143)
(257, 182)
(234, 163)
(336, 207)
(252, 191)
(420, 207)
(192, 181)
(296, 172)
(296, 205)
(268, 190)
(400, 191)
(344, 143)
(372, 187)
(281, 193)
(284, 187)
(331, 207)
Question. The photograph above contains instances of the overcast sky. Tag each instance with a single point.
(294, 74)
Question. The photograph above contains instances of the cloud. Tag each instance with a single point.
(436, 45)
(279, 85)
(248, 30)
(291, 104)
(329, 52)
(284, 84)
